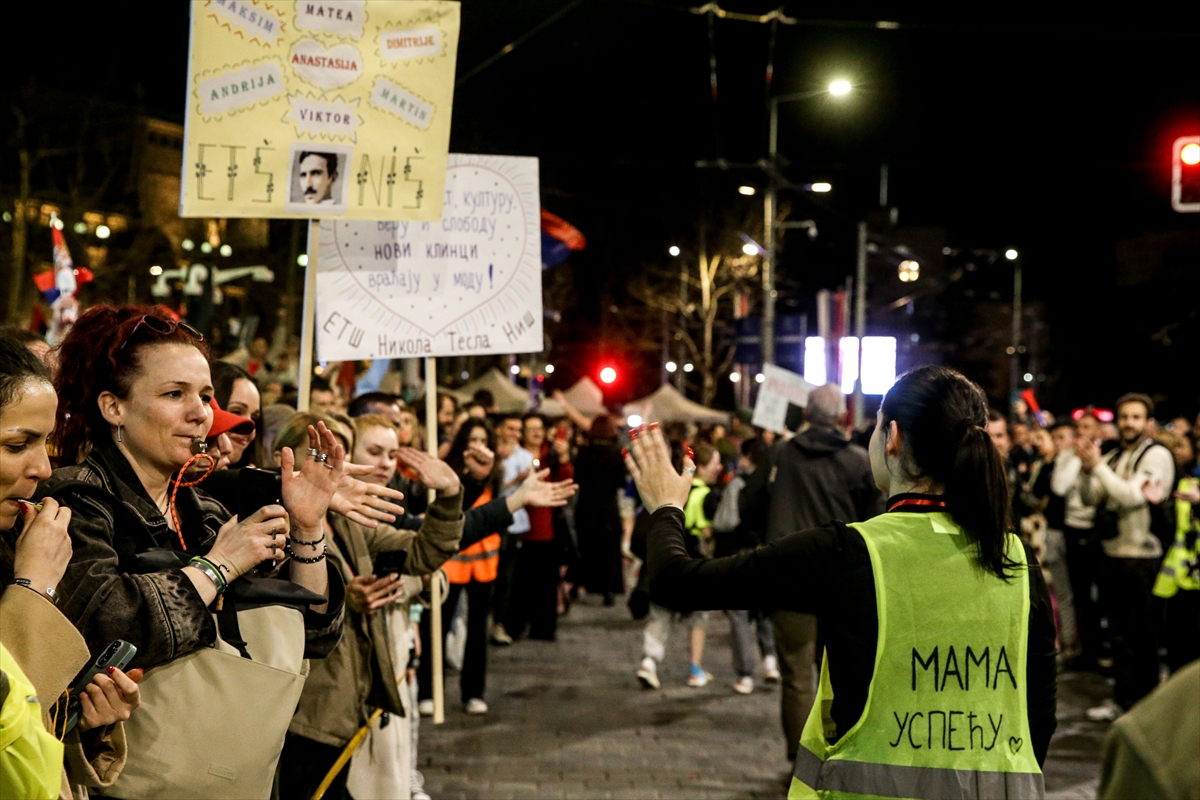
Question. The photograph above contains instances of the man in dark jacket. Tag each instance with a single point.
(813, 479)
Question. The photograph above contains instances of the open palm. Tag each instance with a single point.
(307, 493)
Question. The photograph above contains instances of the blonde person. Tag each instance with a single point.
(40, 650)
(364, 672)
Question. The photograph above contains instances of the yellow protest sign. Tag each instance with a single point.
(319, 108)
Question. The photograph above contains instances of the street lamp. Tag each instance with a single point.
(820, 187)
(673, 250)
(671, 366)
(1014, 349)
(838, 88)
(750, 249)
(749, 191)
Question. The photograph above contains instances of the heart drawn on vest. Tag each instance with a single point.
(1015, 744)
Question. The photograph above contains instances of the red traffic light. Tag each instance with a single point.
(1185, 175)
(608, 375)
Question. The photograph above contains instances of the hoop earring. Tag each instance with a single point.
(118, 433)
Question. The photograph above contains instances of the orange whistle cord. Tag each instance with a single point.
(178, 481)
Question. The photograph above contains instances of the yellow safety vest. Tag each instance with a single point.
(31, 759)
(694, 520)
(1181, 564)
(945, 715)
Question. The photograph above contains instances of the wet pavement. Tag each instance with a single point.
(568, 719)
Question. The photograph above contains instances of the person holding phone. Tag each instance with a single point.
(35, 548)
(134, 400)
(938, 629)
(366, 669)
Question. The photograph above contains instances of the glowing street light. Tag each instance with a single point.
(1011, 254)
(820, 187)
(205, 247)
(673, 250)
(749, 191)
(102, 232)
(156, 270)
(187, 244)
(514, 369)
(909, 271)
(226, 250)
(688, 367)
(671, 366)
(839, 88)
(549, 369)
(735, 376)
(759, 378)
(750, 249)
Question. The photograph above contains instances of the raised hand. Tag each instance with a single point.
(435, 474)
(307, 494)
(650, 465)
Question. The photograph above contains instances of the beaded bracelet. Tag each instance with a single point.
(211, 572)
(302, 559)
(313, 544)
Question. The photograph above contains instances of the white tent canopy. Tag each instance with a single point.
(584, 395)
(510, 398)
(666, 404)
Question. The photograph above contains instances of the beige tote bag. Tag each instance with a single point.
(212, 722)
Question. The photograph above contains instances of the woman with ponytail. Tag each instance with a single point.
(939, 670)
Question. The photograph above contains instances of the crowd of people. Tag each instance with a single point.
(176, 508)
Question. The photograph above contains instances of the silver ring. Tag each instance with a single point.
(322, 457)
(327, 464)
(274, 546)
(314, 453)
(690, 470)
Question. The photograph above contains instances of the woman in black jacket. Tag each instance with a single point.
(930, 453)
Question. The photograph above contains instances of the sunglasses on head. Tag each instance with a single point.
(161, 327)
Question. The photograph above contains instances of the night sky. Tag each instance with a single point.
(1050, 134)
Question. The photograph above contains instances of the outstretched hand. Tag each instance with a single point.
(365, 503)
(649, 462)
(434, 473)
(536, 491)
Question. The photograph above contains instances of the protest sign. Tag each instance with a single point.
(337, 108)
(468, 284)
(779, 388)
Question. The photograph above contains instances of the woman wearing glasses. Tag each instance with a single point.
(153, 556)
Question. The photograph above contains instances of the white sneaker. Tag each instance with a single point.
(425, 708)
(476, 706)
(1105, 712)
(744, 685)
(697, 677)
(417, 787)
(648, 673)
(771, 670)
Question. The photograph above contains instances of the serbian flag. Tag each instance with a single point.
(65, 278)
(559, 238)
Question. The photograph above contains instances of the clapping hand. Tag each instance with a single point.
(649, 463)
(536, 491)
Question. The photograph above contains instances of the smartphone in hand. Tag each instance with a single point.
(118, 654)
(389, 562)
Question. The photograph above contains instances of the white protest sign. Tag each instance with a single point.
(779, 387)
(470, 284)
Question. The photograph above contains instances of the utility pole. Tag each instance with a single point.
(768, 262)
(860, 318)
(1014, 349)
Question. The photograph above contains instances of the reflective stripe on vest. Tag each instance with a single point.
(890, 780)
(945, 715)
(479, 562)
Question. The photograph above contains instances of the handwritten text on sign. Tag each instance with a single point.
(467, 284)
(307, 108)
(779, 388)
